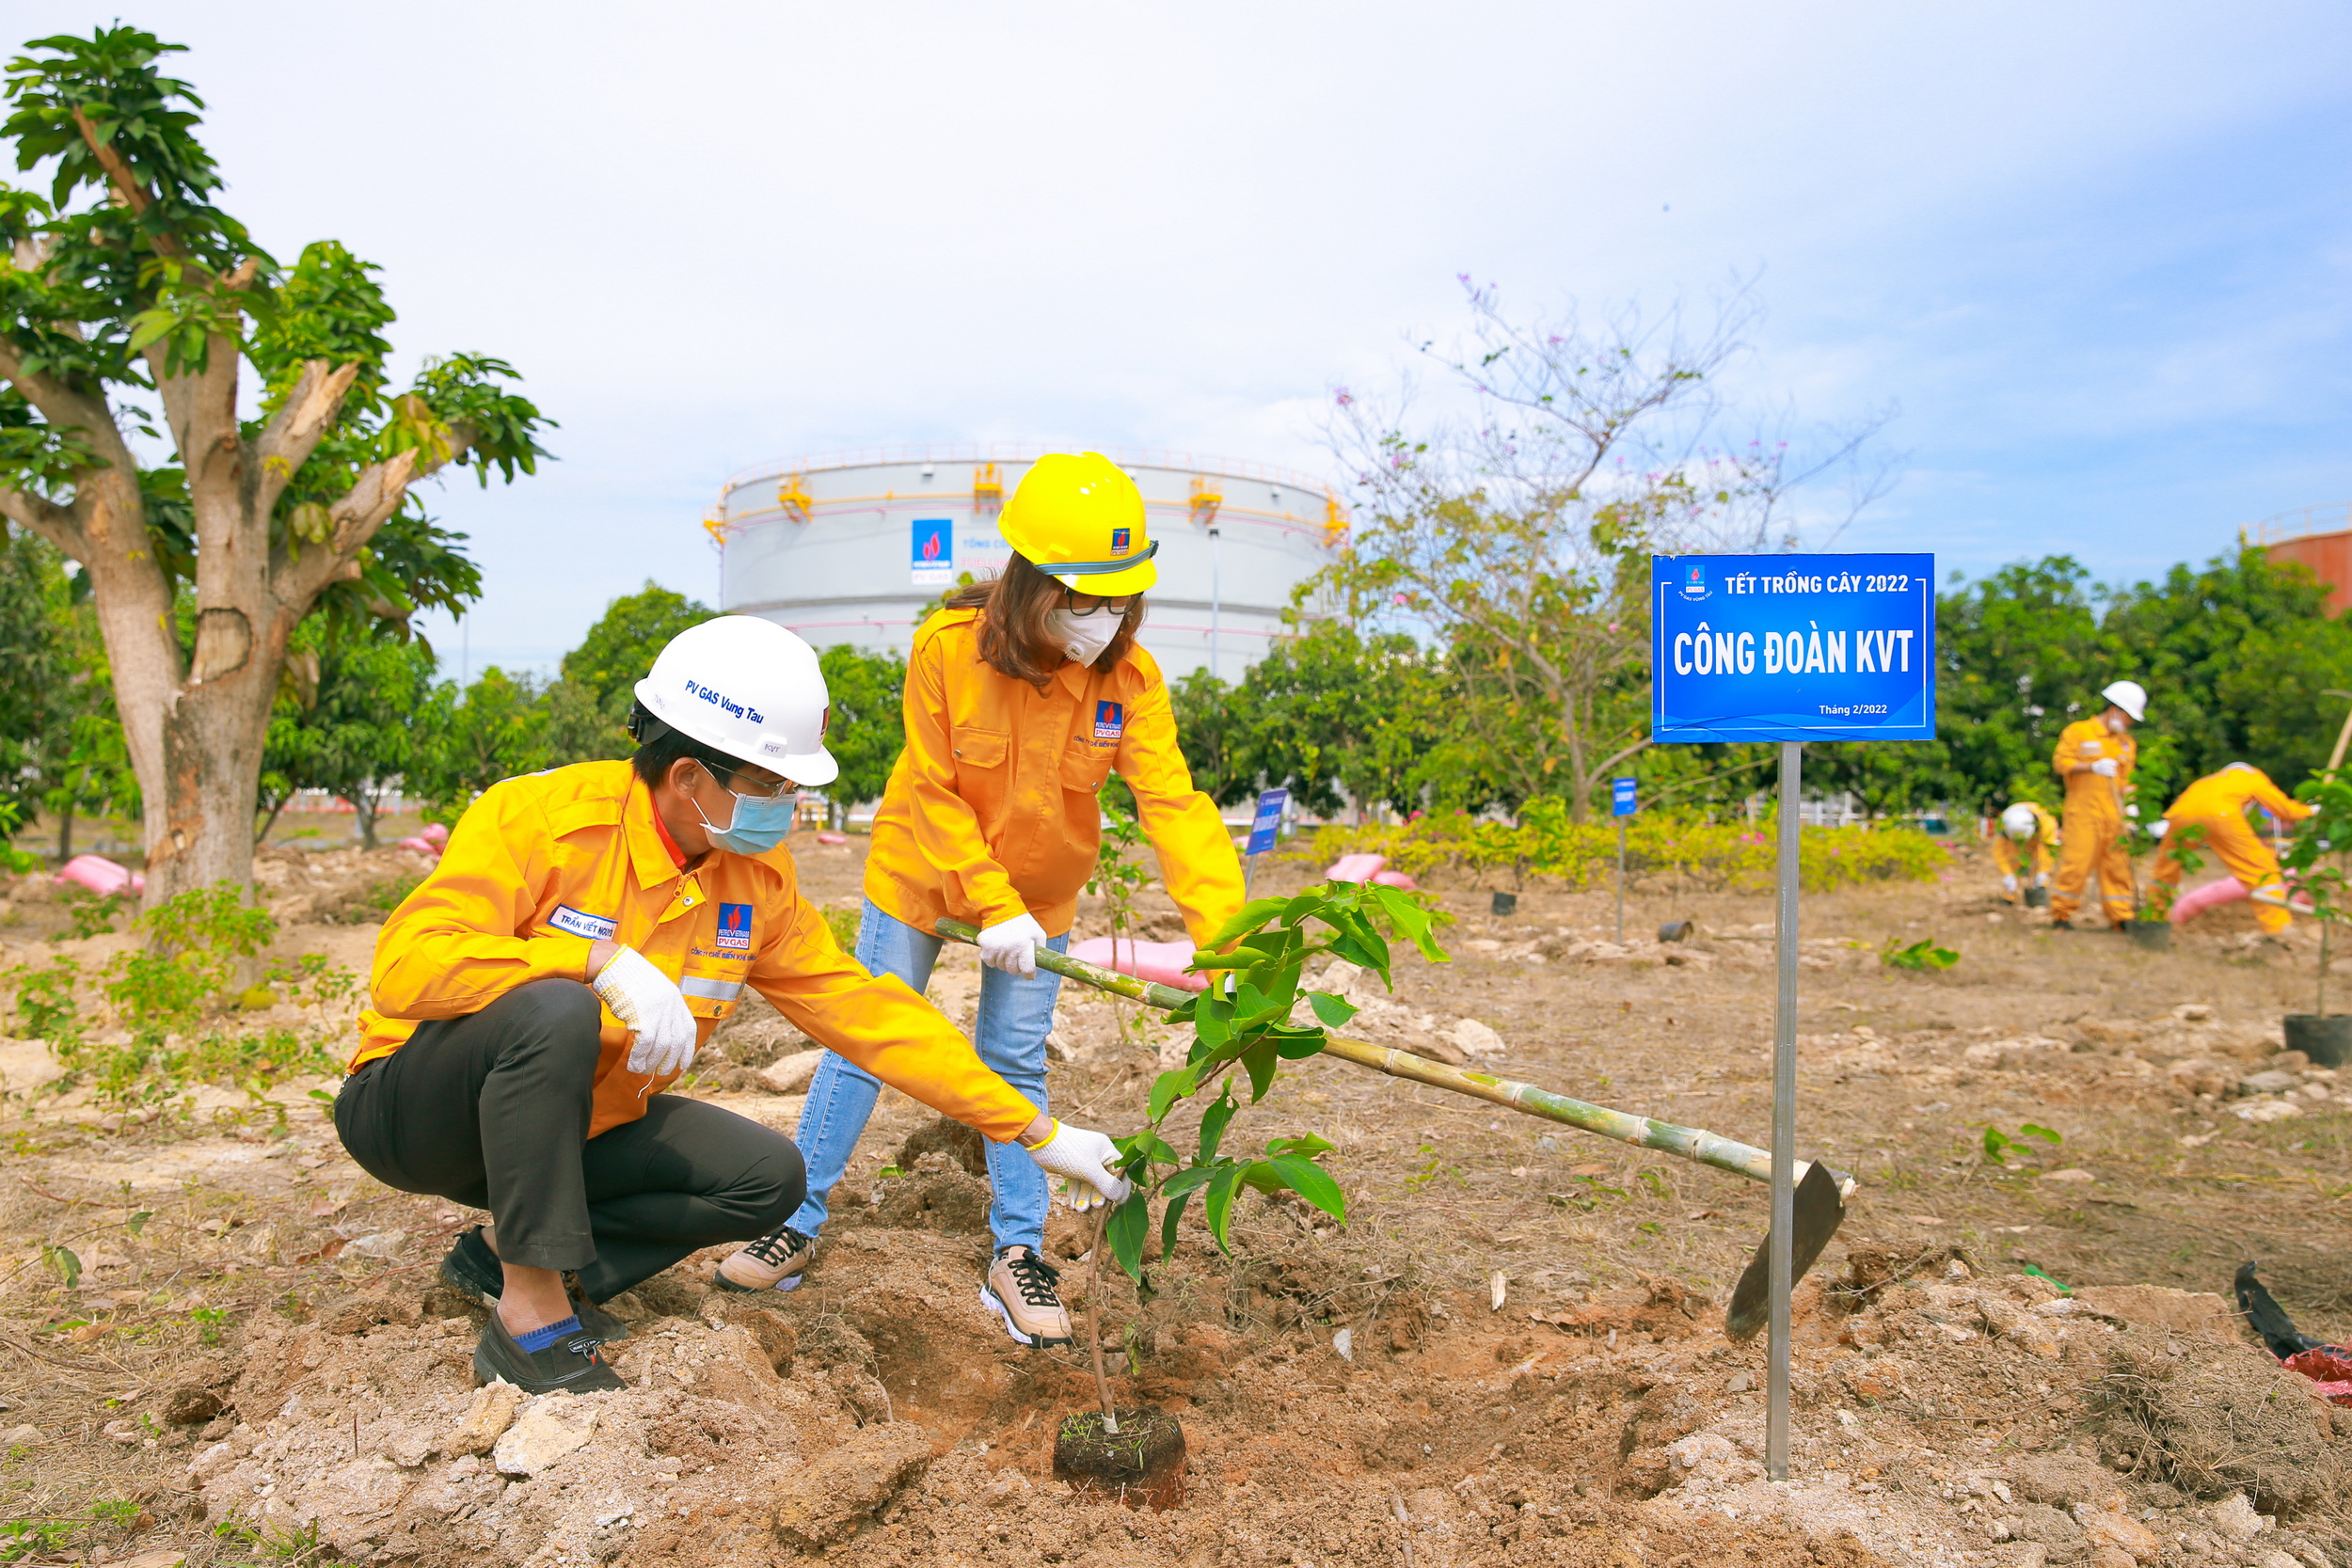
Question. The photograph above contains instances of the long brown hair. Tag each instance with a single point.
(1014, 637)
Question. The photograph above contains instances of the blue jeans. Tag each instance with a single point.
(1016, 1015)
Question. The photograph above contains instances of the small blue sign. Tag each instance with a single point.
(1621, 798)
(1268, 821)
(935, 552)
(1793, 647)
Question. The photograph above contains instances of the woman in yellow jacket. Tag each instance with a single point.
(1022, 697)
(2217, 804)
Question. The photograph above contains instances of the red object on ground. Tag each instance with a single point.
(2329, 1370)
(1356, 868)
(1395, 878)
(422, 845)
(833, 838)
(1163, 961)
(2197, 900)
(101, 875)
(434, 834)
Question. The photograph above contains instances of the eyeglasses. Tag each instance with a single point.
(1117, 607)
(776, 791)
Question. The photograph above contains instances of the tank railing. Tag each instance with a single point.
(1029, 452)
(2301, 523)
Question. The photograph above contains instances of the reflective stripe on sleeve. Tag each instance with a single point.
(710, 989)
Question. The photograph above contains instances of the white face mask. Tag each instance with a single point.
(1083, 637)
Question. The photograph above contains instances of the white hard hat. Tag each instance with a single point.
(750, 688)
(2019, 821)
(2130, 696)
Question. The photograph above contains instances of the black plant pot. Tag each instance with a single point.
(2325, 1040)
(2037, 898)
(2153, 935)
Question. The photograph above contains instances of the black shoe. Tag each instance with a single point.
(573, 1365)
(2061, 925)
(474, 1271)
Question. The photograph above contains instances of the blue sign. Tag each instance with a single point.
(1268, 820)
(935, 552)
(1621, 798)
(1793, 647)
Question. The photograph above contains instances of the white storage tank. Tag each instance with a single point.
(850, 547)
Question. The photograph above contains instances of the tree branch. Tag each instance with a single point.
(373, 497)
(38, 514)
(67, 409)
(301, 422)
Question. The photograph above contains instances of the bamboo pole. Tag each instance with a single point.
(1690, 1143)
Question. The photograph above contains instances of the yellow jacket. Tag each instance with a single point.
(2227, 794)
(991, 812)
(2045, 830)
(2085, 741)
(541, 865)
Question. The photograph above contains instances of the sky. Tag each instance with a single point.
(2093, 263)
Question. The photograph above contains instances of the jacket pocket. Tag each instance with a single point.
(1084, 770)
(980, 747)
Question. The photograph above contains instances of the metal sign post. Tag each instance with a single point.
(1791, 648)
(1621, 805)
(1264, 828)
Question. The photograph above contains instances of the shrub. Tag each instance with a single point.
(1724, 856)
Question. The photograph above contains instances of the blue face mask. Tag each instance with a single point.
(758, 824)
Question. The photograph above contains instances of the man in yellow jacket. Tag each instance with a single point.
(582, 936)
(2095, 756)
(2025, 829)
(2217, 804)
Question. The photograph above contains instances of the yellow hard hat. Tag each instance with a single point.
(1079, 520)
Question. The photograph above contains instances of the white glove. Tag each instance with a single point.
(649, 1001)
(2009, 882)
(2159, 828)
(2105, 768)
(1011, 945)
(1086, 1158)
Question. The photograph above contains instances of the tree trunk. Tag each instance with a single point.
(366, 805)
(65, 831)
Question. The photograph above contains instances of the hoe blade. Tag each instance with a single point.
(1819, 1212)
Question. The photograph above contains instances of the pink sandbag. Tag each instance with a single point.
(1163, 961)
(1395, 878)
(833, 838)
(1356, 868)
(2196, 901)
(422, 845)
(102, 876)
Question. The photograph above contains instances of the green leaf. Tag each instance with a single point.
(1410, 918)
(1219, 1205)
(1260, 1060)
(139, 1222)
(2035, 1130)
(1192, 1180)
(1307, 1144)
(1249, 918)
(1167, 1088)
(1214, 1121)
(1174, 1212)
(1129, 1224)
(1311, 1182)
(1297, 1045)
(1334, 1010)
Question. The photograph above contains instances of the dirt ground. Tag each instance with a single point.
(1513, 1354)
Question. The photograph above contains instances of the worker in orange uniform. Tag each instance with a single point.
(2217, 804)
(1022, 696)
(2095, 756)
(2026, 829)
(584, 932)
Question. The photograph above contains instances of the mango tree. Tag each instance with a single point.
(132, 307)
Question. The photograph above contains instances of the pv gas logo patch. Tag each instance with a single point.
(735, 928)
(1695, 583)
(1122, 541)
(1110, 721)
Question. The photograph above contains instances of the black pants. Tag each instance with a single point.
(492, 1110)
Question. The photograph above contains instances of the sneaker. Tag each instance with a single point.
(774, 1262)
(573, 1365)
(1019, 1289)
(472, 1270)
